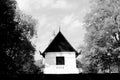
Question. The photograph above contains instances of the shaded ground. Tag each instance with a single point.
(62, 77)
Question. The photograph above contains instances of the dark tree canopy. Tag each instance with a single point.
(16, 51)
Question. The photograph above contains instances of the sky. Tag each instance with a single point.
(68, 15)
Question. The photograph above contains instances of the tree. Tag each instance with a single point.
(26, 27)
(16, 51)
(103, 35)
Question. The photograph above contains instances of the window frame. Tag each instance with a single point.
(60, 60)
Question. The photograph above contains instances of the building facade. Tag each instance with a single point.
(60, 57)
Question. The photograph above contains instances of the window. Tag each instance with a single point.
(60, 60)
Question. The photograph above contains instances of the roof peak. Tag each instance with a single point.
(59, 28)
(59, 44)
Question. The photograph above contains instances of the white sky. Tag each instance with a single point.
(51, 14)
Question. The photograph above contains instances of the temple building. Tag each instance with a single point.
(60, 57)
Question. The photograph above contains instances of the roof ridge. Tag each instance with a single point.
(59, 44)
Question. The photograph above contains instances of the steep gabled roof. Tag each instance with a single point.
(59, 44)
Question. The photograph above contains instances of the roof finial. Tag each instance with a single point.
(59, 28)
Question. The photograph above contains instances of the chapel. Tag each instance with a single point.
(60, 57)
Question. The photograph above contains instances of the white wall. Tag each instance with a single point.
(70, 59)
(70, 62)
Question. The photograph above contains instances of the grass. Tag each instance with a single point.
(81, 76)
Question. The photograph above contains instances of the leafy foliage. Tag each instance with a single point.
(103, 37)
(16, 51)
